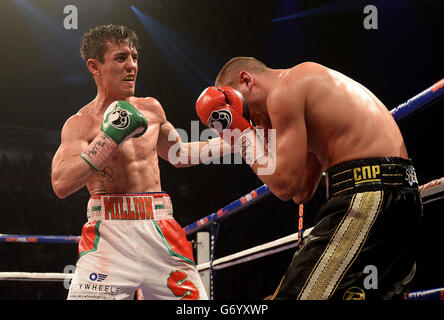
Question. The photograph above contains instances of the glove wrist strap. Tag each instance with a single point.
(99, 151)
(251, 146)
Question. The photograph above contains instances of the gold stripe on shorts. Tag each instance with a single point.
(344, 246)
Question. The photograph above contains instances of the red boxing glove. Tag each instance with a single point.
(222, 108)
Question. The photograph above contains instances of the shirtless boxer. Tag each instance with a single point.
(325, 121)
(131, 239)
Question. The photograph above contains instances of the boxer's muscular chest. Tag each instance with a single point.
(134, 166)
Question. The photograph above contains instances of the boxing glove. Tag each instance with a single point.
(121, 121)
(222, 108)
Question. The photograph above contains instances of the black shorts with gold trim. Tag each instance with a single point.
(362, 245)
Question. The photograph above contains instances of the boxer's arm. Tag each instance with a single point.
(171, 148)
(291, 178)
(311, 178)
(69, 172)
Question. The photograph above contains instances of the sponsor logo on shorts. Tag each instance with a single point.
(367, 174)
(99, 277)
(93, 290)
(411, 175)
(79, 288)
(354, 293)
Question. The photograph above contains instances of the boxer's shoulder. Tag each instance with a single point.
(145, 103)
(297, 83)
(81, 126)
(308, 67)
(150, 106)
(85, 117)
(306, 75)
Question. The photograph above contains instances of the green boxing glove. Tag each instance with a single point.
(121, 122)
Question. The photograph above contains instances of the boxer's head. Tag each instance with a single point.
(242, 73)
(110, 52)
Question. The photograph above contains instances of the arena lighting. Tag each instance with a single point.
(61, 45)
(331, 8)
(194, 69)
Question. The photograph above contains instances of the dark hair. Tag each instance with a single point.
(94, 41)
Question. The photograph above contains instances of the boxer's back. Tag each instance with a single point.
(344, 120)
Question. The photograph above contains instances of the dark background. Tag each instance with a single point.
(43, 81)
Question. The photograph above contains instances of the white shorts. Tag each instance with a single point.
(130, 242)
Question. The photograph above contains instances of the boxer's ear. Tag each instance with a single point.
(246, 79)
(93, 66)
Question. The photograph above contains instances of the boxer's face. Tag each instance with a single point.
(118, 72)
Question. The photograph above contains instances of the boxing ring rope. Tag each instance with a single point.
(428, 193)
